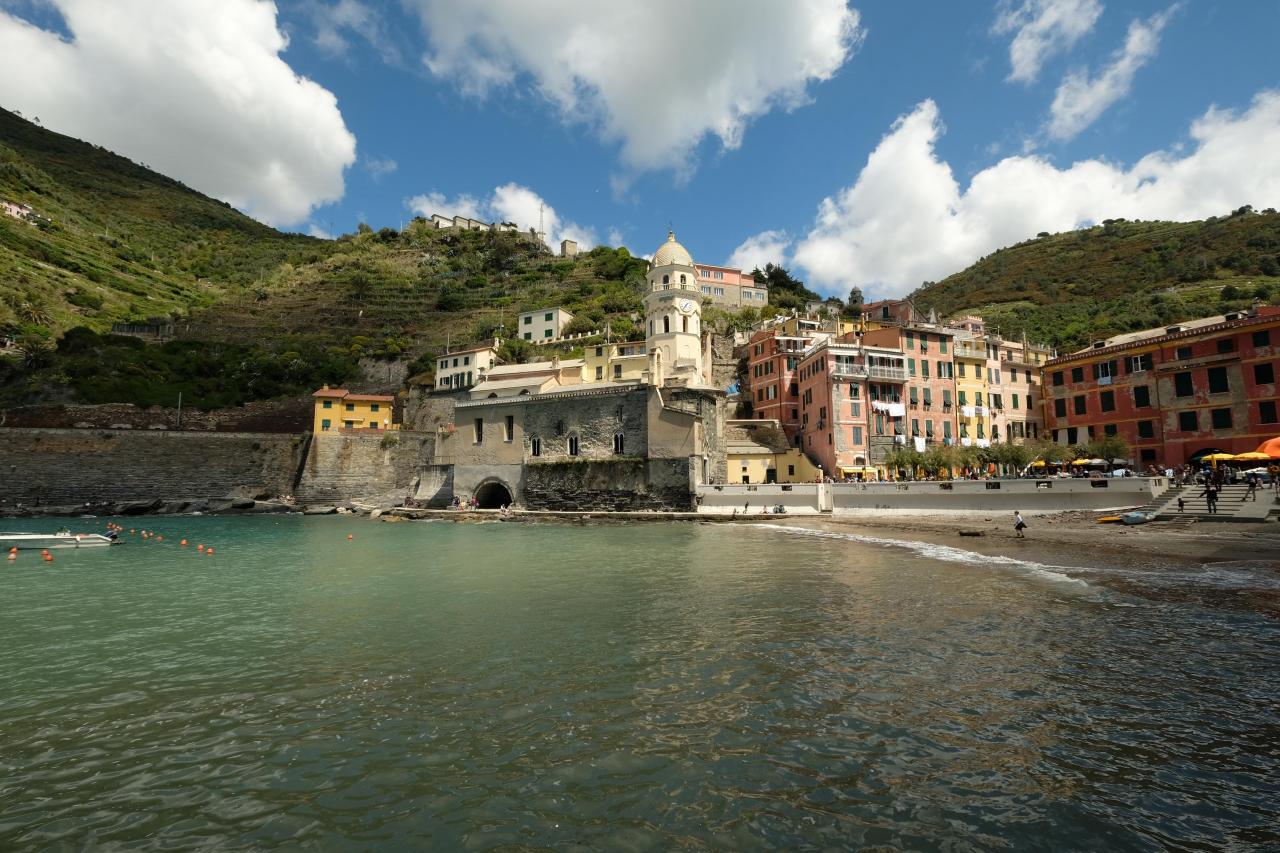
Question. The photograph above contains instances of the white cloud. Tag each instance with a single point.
(433, 202)
(508, 203)
(316, 231)
(196, 90)
(333, 24)
(767, 247)
(614, 238)
(906, 219)
(380, 168)
(1042, 28)
(1081, 99)
(657, 77)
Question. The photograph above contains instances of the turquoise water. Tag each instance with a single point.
(649, 687)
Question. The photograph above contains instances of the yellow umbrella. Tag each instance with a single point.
(1040, 463)
(1251, 456)
(1079, 462)
(1218, 457)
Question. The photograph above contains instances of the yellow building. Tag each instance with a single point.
(757, 452)
(969, 354)
(338, 409)
(615, 362)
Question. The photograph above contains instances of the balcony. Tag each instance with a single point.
(969, 352)
(855, 371)
(890, 374)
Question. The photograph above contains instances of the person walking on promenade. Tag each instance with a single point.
(1018, 524)
(1210, 495)
(1252, 492)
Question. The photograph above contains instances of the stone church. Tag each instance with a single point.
(643, 444)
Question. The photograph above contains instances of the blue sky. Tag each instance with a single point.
(874, 144)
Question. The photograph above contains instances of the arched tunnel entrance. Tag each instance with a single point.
(493, 495)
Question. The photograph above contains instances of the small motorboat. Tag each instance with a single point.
(1138, 517)
(61, 539)
(1108, 519)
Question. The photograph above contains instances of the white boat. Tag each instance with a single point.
(61, 539)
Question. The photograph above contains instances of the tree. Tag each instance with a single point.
(1109, 448)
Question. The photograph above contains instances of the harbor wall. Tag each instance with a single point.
(73, 466)
(1052, 495)
(349, 466)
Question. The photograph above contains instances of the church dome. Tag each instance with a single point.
(672, 252)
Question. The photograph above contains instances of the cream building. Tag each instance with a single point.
(535, 377)
(545, 324)
(466, 367)
(615, 362)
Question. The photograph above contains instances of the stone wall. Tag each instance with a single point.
(291, 416)
(57, 466)
(608, 485)
(426, 412)
(343, 467)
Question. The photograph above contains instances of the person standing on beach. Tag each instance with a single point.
(1210, 495)
(1252, 493)
(1018, 524)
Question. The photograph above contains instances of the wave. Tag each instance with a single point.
(946, 553)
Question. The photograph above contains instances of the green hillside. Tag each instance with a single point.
(1071, 288)
(113, 240)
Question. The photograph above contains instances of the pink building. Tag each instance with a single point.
(731, 288)
(772, 359)
(931, 386)
(852, 409)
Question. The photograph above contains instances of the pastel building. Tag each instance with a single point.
(931, 415)
(773, 357)
(758, 452)
(1175, 393)
(731, 288)
(852, 408)
(545, 324)
(969, 357)
(1014, 391)
(625, 362)
(535, 377)
(464, 368)
(337, 409)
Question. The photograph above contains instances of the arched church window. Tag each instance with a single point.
(535, 446)
(666, 325)
(573, 444)
(650, 328)
(682, 278)
(666, 279)
(684, 322)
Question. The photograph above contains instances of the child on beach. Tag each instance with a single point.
(1018, 524)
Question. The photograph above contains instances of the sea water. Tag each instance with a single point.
(652, 686)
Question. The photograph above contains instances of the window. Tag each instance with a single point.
(466, 359)
(528, 319)
(1266, 412)
(1182, 353)
(1188, 422)
(1221, 418)
(1146, 429)
(1264, 374)
(327, 404)
(528, 336)
(1262, 338)
(911, 367)
(1060, 407)
(573, 445)
(924, 369)
(1057, 377)
(1148, 454)
(617, 371)
(666, 325)
(942, 345)
(1107, 400)
(1105, 371)
(961, 397)
(1015, 401)
(326, 423)
(535, 446)
(351, 407)
(915, 426)
(946, 429)
(549, 316)
(684, 327)
(1227, 345)
(1073, 435)
(1182, 385)
(1138, 363)
(1109, 429)
(961, 371)
(546, 333)
(479, 430)
(1077, 374)
(1080, 404)
(618, 443)
(1218, 380)
(509, 428)
(599, 372)
(857, 435)
(1141, 397)
(373, 407)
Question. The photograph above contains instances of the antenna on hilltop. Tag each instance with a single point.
(542, 234)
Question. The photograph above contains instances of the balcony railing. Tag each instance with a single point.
(893, 374)
(854, 370)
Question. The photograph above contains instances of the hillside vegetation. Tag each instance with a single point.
(112, 240)
(1072, 288)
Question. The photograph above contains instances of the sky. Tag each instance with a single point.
(875, 144)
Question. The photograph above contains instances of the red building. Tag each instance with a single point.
(1174, 394)
(772, 359)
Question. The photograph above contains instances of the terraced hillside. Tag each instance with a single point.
(111, 240)
(1071, 288)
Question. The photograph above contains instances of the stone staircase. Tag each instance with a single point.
(1231, 505)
